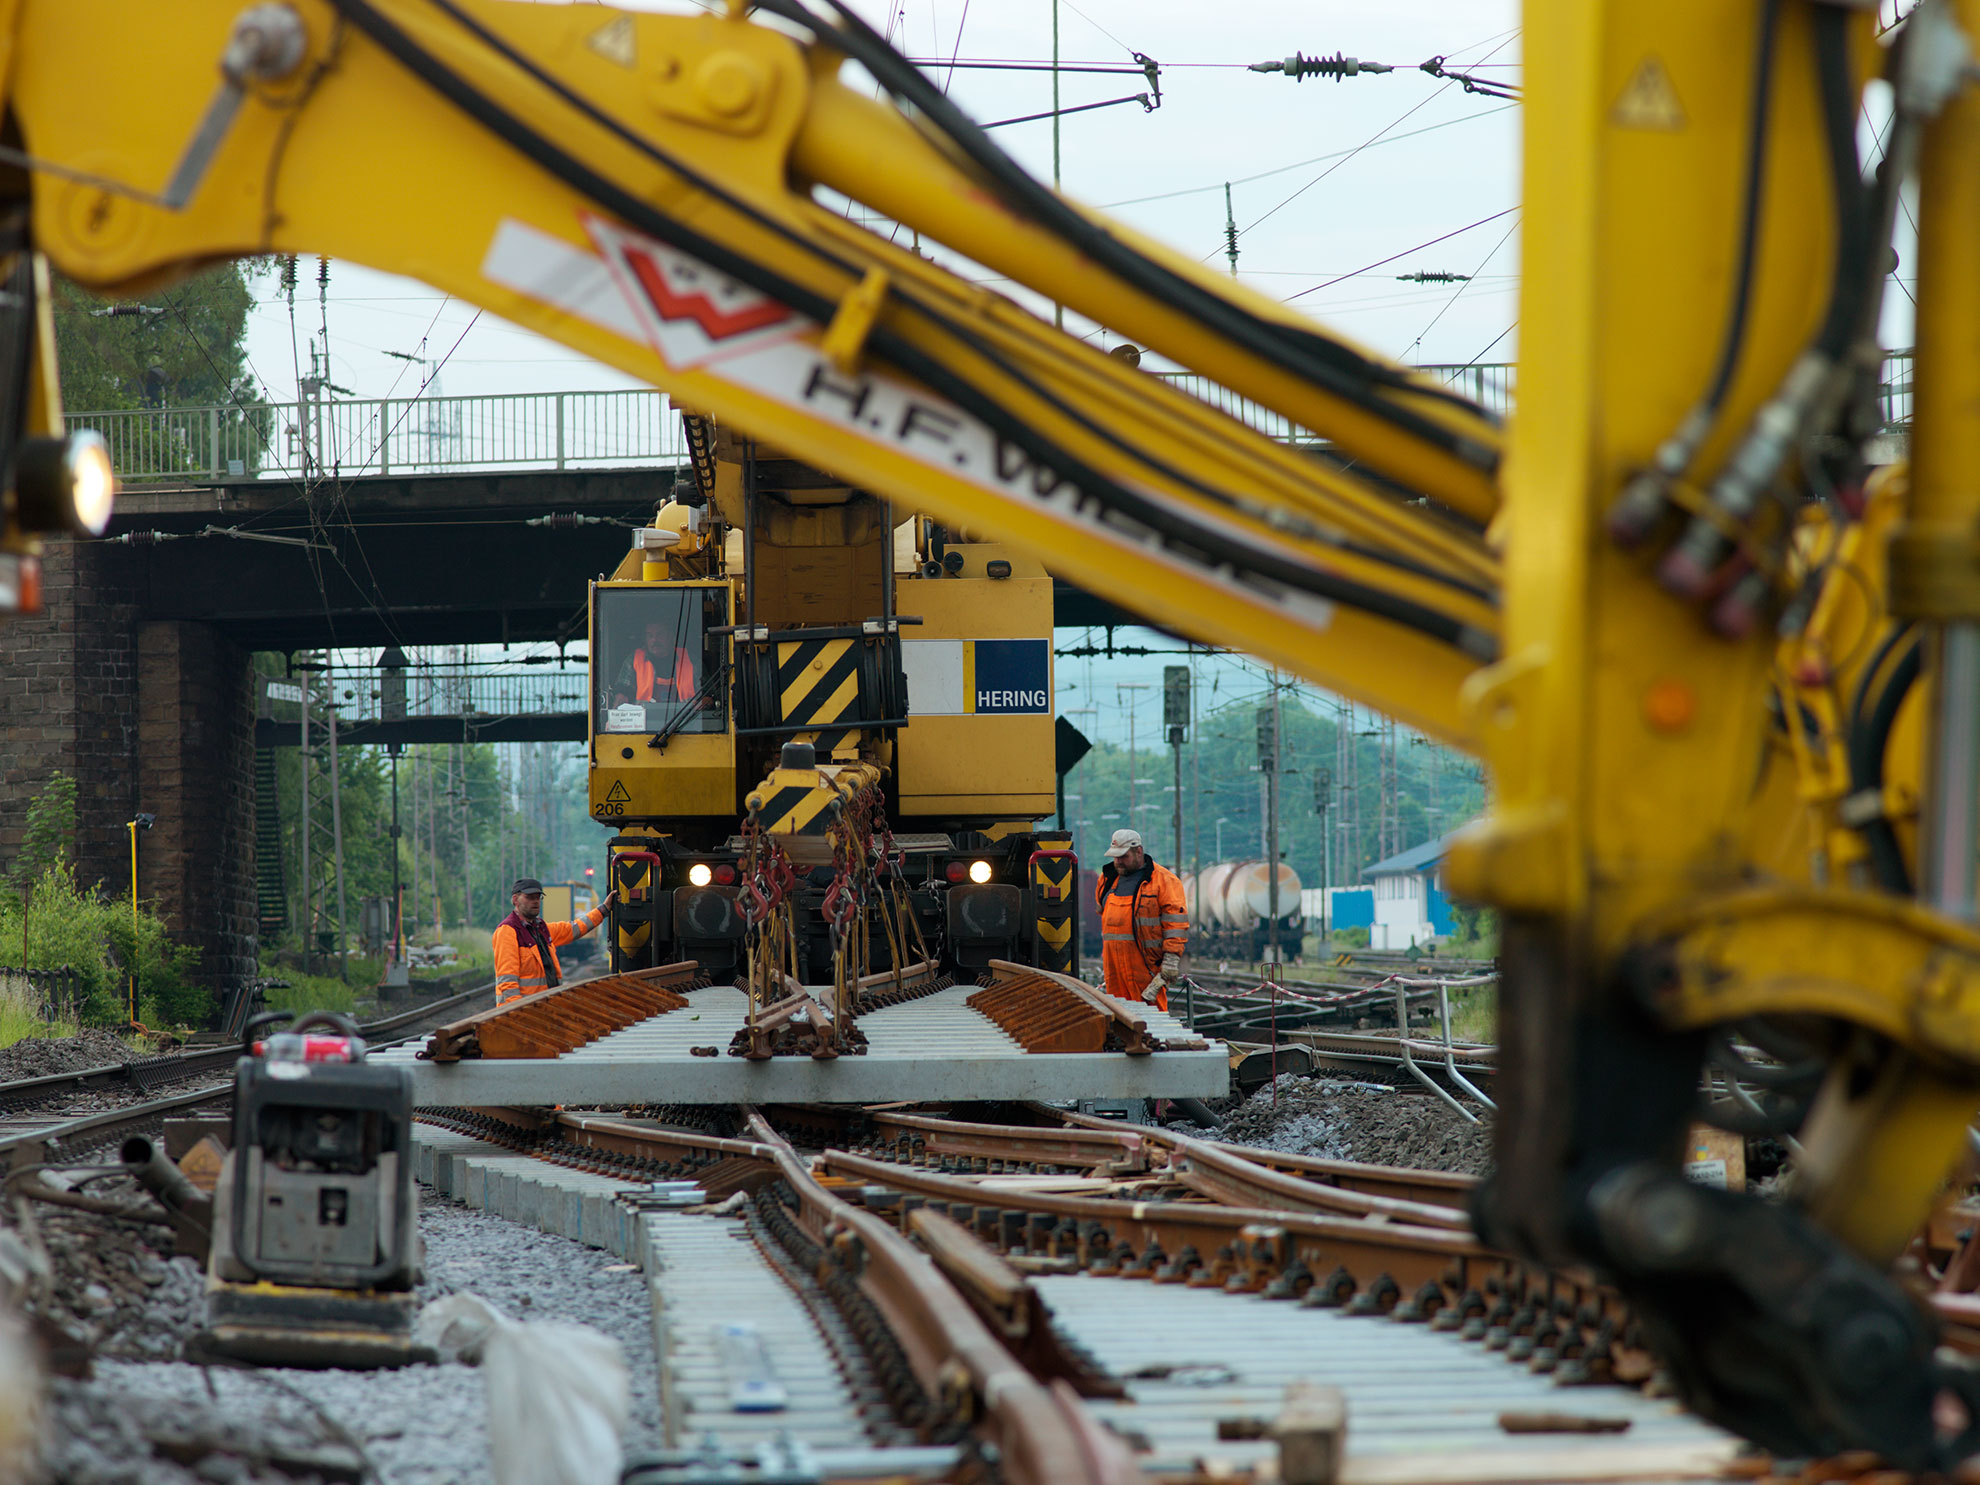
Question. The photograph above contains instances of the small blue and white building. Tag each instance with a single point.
(1409, 905)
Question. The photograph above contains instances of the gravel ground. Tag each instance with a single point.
(1360, 1121)
(115, 1285)
(38, 1056)
(172, 1423)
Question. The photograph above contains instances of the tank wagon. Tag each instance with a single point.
(1230, 911)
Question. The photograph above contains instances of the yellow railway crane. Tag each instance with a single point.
(755, 661)
(1727, 689)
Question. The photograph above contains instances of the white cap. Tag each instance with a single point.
(1123, 842)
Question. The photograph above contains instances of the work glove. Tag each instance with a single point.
(1152, 991)
(1171, 970)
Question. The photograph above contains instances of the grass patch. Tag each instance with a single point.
(1475, 1014)
(21, 1018)
(305, 993)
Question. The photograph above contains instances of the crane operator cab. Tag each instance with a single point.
(662, 656)
(809, 705)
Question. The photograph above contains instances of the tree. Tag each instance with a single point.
(182, 346)
(49, 835)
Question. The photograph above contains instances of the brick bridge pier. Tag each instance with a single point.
(137, 678)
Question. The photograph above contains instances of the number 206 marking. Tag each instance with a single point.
(608, 809)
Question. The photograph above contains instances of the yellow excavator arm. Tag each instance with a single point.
(1656, 650)
(657, 192)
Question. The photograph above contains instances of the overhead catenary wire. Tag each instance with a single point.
(1245, 180)
(1383, 262)
(1337, 368)
(1459, 291)
(1372, 139)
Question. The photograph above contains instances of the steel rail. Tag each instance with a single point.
(1115, 1148)
(1213, 1243)
(1402, 1183)
(60, 1136)
(63, 1137)
(149, 1072)
(1043, 1434)
(1551, 1320)
(1220, 1172)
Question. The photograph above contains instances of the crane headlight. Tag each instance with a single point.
(979, 872)
(65, 484)
(699, 874)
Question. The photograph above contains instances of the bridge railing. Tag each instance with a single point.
(438, 692)
(392, 435)
(1491, 385)
(565, 430)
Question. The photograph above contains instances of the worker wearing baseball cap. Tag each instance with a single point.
(526, 946)
(1143, 925)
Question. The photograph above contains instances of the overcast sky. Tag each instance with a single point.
(1308, 206)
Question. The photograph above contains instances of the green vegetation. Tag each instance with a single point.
(302, 993)
(1475, 1014)
(1437, 790)
(51, 827)
(1477, 935)
(180, 346)
(69, 926)
(443, 787)
(20, 1016)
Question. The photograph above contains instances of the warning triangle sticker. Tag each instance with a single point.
(1649, 101)
(618, 794)
(614, 42)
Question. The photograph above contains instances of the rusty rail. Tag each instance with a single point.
(1245, 1248)
(1041, 1432)
(552, 1022)
(1048, 1012)
(1082, 1149)
(1220, 1172)
(1434, 1187)
(1370, 1253)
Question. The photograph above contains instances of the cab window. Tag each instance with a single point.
(656, 667)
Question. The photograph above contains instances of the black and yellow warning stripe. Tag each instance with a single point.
(818, 682)
(828, 742)
(1052, 877)
(793, 809)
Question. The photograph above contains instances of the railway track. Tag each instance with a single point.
(31, 1133)
(962, 1257)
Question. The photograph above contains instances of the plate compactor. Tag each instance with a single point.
(315, 1247)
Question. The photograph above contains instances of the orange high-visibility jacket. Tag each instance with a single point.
(519, 967)
(1135, 932)
(644, 674)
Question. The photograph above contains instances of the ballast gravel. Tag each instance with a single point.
(114, 1284)
(1360, 1121)
(39, 1056)
(174, 1423)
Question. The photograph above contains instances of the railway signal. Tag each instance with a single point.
(1175, 717)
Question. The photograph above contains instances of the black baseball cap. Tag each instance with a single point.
(525, 884)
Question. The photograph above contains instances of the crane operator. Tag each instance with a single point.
(641, 677)
(526, 947)
(1143, 925)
